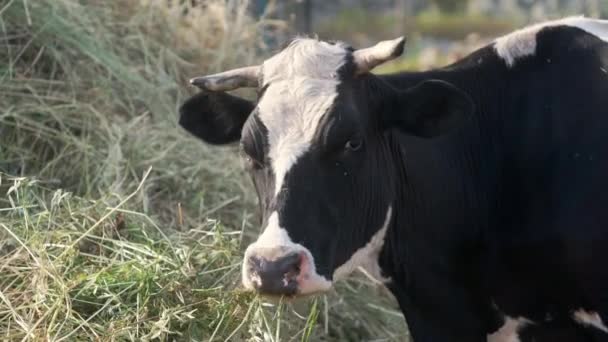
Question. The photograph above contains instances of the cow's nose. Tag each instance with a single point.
(275, 277)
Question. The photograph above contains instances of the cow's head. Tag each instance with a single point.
(316, 146)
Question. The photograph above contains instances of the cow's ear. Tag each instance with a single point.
(215, 117)
(429, 109)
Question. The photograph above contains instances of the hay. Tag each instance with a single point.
(114, 223)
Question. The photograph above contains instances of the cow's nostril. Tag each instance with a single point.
(292, 271)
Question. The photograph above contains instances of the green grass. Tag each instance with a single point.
(92, 269)
(115, 224)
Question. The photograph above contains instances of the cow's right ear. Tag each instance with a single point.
(215, 117)
(430, 109)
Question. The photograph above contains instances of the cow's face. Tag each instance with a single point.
(315, 144)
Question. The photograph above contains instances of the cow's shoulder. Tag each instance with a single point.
(558, 36)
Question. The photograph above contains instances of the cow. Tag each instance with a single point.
(476, 192)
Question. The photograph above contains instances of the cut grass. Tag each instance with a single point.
(114, 223)
(89, 270)
(83, 269)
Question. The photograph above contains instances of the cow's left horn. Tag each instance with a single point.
(229, 80)
(369, 58)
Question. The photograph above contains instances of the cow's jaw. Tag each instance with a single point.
(368, 256)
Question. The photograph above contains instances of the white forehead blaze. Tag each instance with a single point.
(302, 86)
(305, 57)
(291, 111)
(522, 42)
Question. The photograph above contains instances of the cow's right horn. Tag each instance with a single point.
(368, 58)
(229, 80)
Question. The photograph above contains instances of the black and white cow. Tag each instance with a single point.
(477, 192)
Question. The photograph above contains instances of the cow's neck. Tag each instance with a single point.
(445, 201)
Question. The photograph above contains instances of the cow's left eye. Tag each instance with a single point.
(253, 164)
(354, 144)
(250, 162)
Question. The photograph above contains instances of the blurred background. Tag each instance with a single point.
(438, 31)
(115, 224)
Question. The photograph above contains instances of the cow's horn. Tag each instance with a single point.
(229, 80)
(369, 58)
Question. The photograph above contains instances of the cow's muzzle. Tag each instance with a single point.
(276, 277)
(282, 271)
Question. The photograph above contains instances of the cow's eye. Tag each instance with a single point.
(251, 163)
(354, 144)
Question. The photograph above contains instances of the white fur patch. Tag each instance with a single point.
(291, 111)
(522, 42)
(302, 87)
(590, 318)
(273, 235)
(305, 57)
(275, 242)
(509, 332)
(367, 256)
